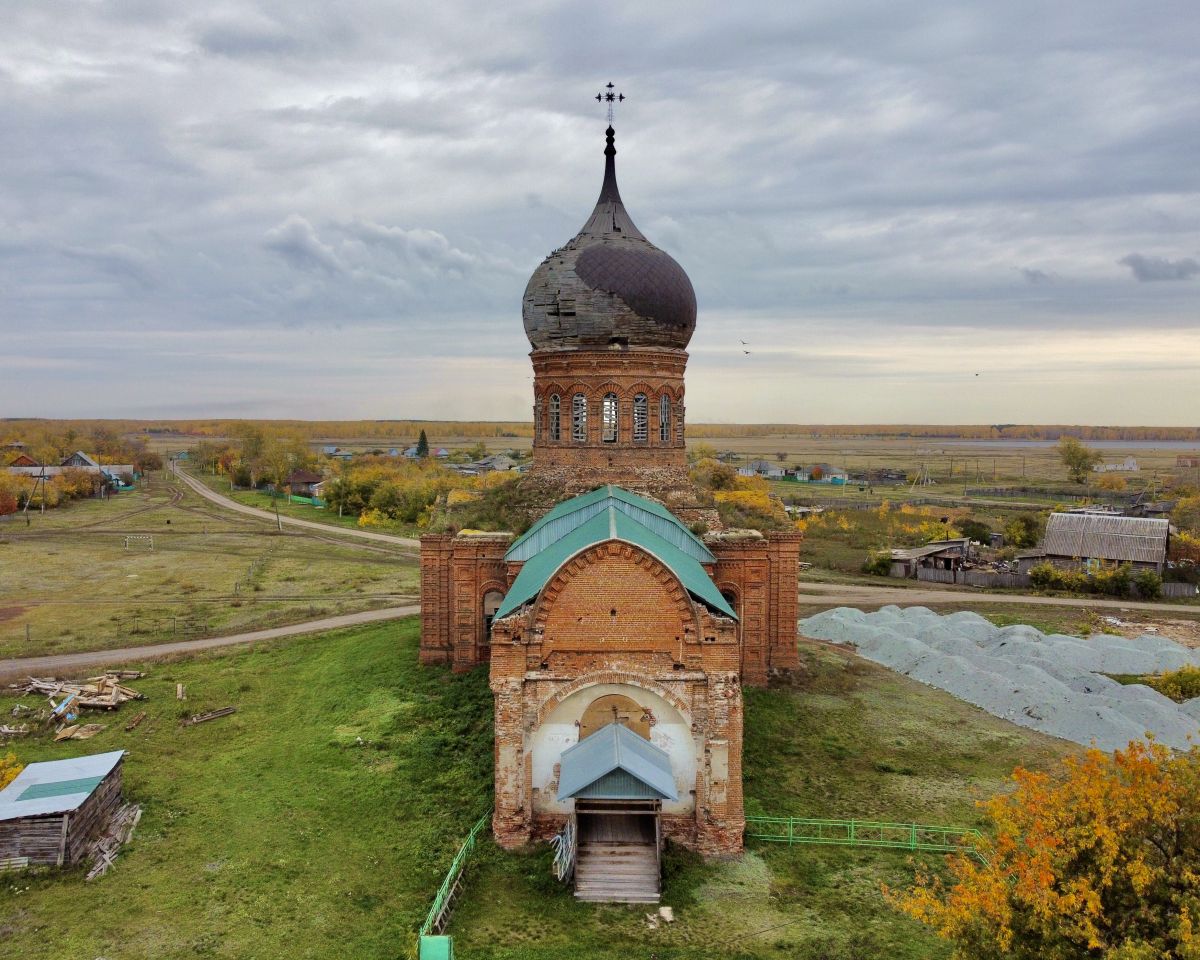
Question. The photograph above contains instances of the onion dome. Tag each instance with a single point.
(609, 287)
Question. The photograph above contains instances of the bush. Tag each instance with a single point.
(878, 564)
(1046, 576)
(975, 529)
(1114, 582)
(1148, 585)
(1179, 685)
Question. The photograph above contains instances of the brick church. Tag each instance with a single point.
(617, 640)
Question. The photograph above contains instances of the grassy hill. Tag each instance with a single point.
(318, 820)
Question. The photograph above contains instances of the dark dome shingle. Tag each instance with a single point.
(609, 286)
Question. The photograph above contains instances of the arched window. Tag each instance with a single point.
(608, 418)
(553, 428)
(491, 603)
(641, 419)
(579, 418)
(537, 419)
(664, 419)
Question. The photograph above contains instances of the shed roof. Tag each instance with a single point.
(55, 786)
(1132, 539)
(609, 513)
(614, 763)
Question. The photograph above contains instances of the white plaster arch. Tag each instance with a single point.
(559, 730)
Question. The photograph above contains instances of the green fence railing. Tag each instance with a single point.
(866, 833)
(435, 920)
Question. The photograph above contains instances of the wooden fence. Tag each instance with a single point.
(1180, 590)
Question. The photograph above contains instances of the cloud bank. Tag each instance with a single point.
(332, 211)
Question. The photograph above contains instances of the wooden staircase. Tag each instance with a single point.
(616, 872)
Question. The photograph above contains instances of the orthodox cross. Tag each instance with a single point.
(607, 96)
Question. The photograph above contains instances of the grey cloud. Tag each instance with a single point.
(1036, 277)
(1150, 269)
(297, 242)
(395, 172)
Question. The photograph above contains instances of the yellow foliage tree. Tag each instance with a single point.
(1101, 860)
(1111, 481)
(9, 768)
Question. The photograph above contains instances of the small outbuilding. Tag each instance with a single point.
(944, 556)
(51, 811)
(1091, 541)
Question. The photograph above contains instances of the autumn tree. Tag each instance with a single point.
(1186, 515)
(1111, 482)
(10, 766)
(1098, 860)
(1077, 458)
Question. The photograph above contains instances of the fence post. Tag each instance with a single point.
(912, 836)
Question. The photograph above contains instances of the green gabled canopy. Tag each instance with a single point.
(609, 513)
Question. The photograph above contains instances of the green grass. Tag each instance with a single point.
(319, 819)
(276, 832)
(849, 739)
(69, 577)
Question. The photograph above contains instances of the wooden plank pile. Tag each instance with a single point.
(105, 692)
(210, 715)
(102, 851)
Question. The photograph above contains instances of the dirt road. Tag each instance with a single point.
(326, 528)
(853, 595)
(67, 664)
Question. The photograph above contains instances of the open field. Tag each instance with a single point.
(70, 583)
(277, 833)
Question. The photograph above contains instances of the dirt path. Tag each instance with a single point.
(854, 595)
(68, 663)
(326, 528)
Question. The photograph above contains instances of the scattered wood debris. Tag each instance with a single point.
(10, 731)
(211, 715)
(105, 692)
(133, 724)
(180, 692)
(118, 832)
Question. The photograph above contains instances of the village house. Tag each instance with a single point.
(616, 638)
(944, 555)
(1094, 541)
(113, 475)
(301, 483)
(763, 468)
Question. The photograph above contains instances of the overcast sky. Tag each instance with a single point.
(913, 212)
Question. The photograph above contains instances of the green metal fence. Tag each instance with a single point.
(865, 833)
(431, 944)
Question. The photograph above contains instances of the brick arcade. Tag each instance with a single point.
(610, 609)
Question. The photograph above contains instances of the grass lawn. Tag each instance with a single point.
(850, 739)
(70, 579)
(316, 822)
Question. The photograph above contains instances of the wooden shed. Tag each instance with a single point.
(52, 809)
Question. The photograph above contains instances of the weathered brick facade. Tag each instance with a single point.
(615, 615)
(609, 317)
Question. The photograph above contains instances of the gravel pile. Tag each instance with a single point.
(1050, 682)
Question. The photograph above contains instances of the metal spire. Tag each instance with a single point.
(607, 96)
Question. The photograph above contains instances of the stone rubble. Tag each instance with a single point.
(1054, 683)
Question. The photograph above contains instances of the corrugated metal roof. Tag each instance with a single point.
(41, 788)
(571, 513)
(615, 749)
(1085, 535)
(595, 522)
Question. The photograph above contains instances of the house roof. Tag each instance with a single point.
(609, 513)
(82, 456)
(932, 548)
(55, 786)
(614, 763)
(1132, 539)
(304, 476)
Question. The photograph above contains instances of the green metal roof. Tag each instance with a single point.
(63, 788)
(609, 514)
(571, 513)
(614, 763)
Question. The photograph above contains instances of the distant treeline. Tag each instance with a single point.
(354, 430)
